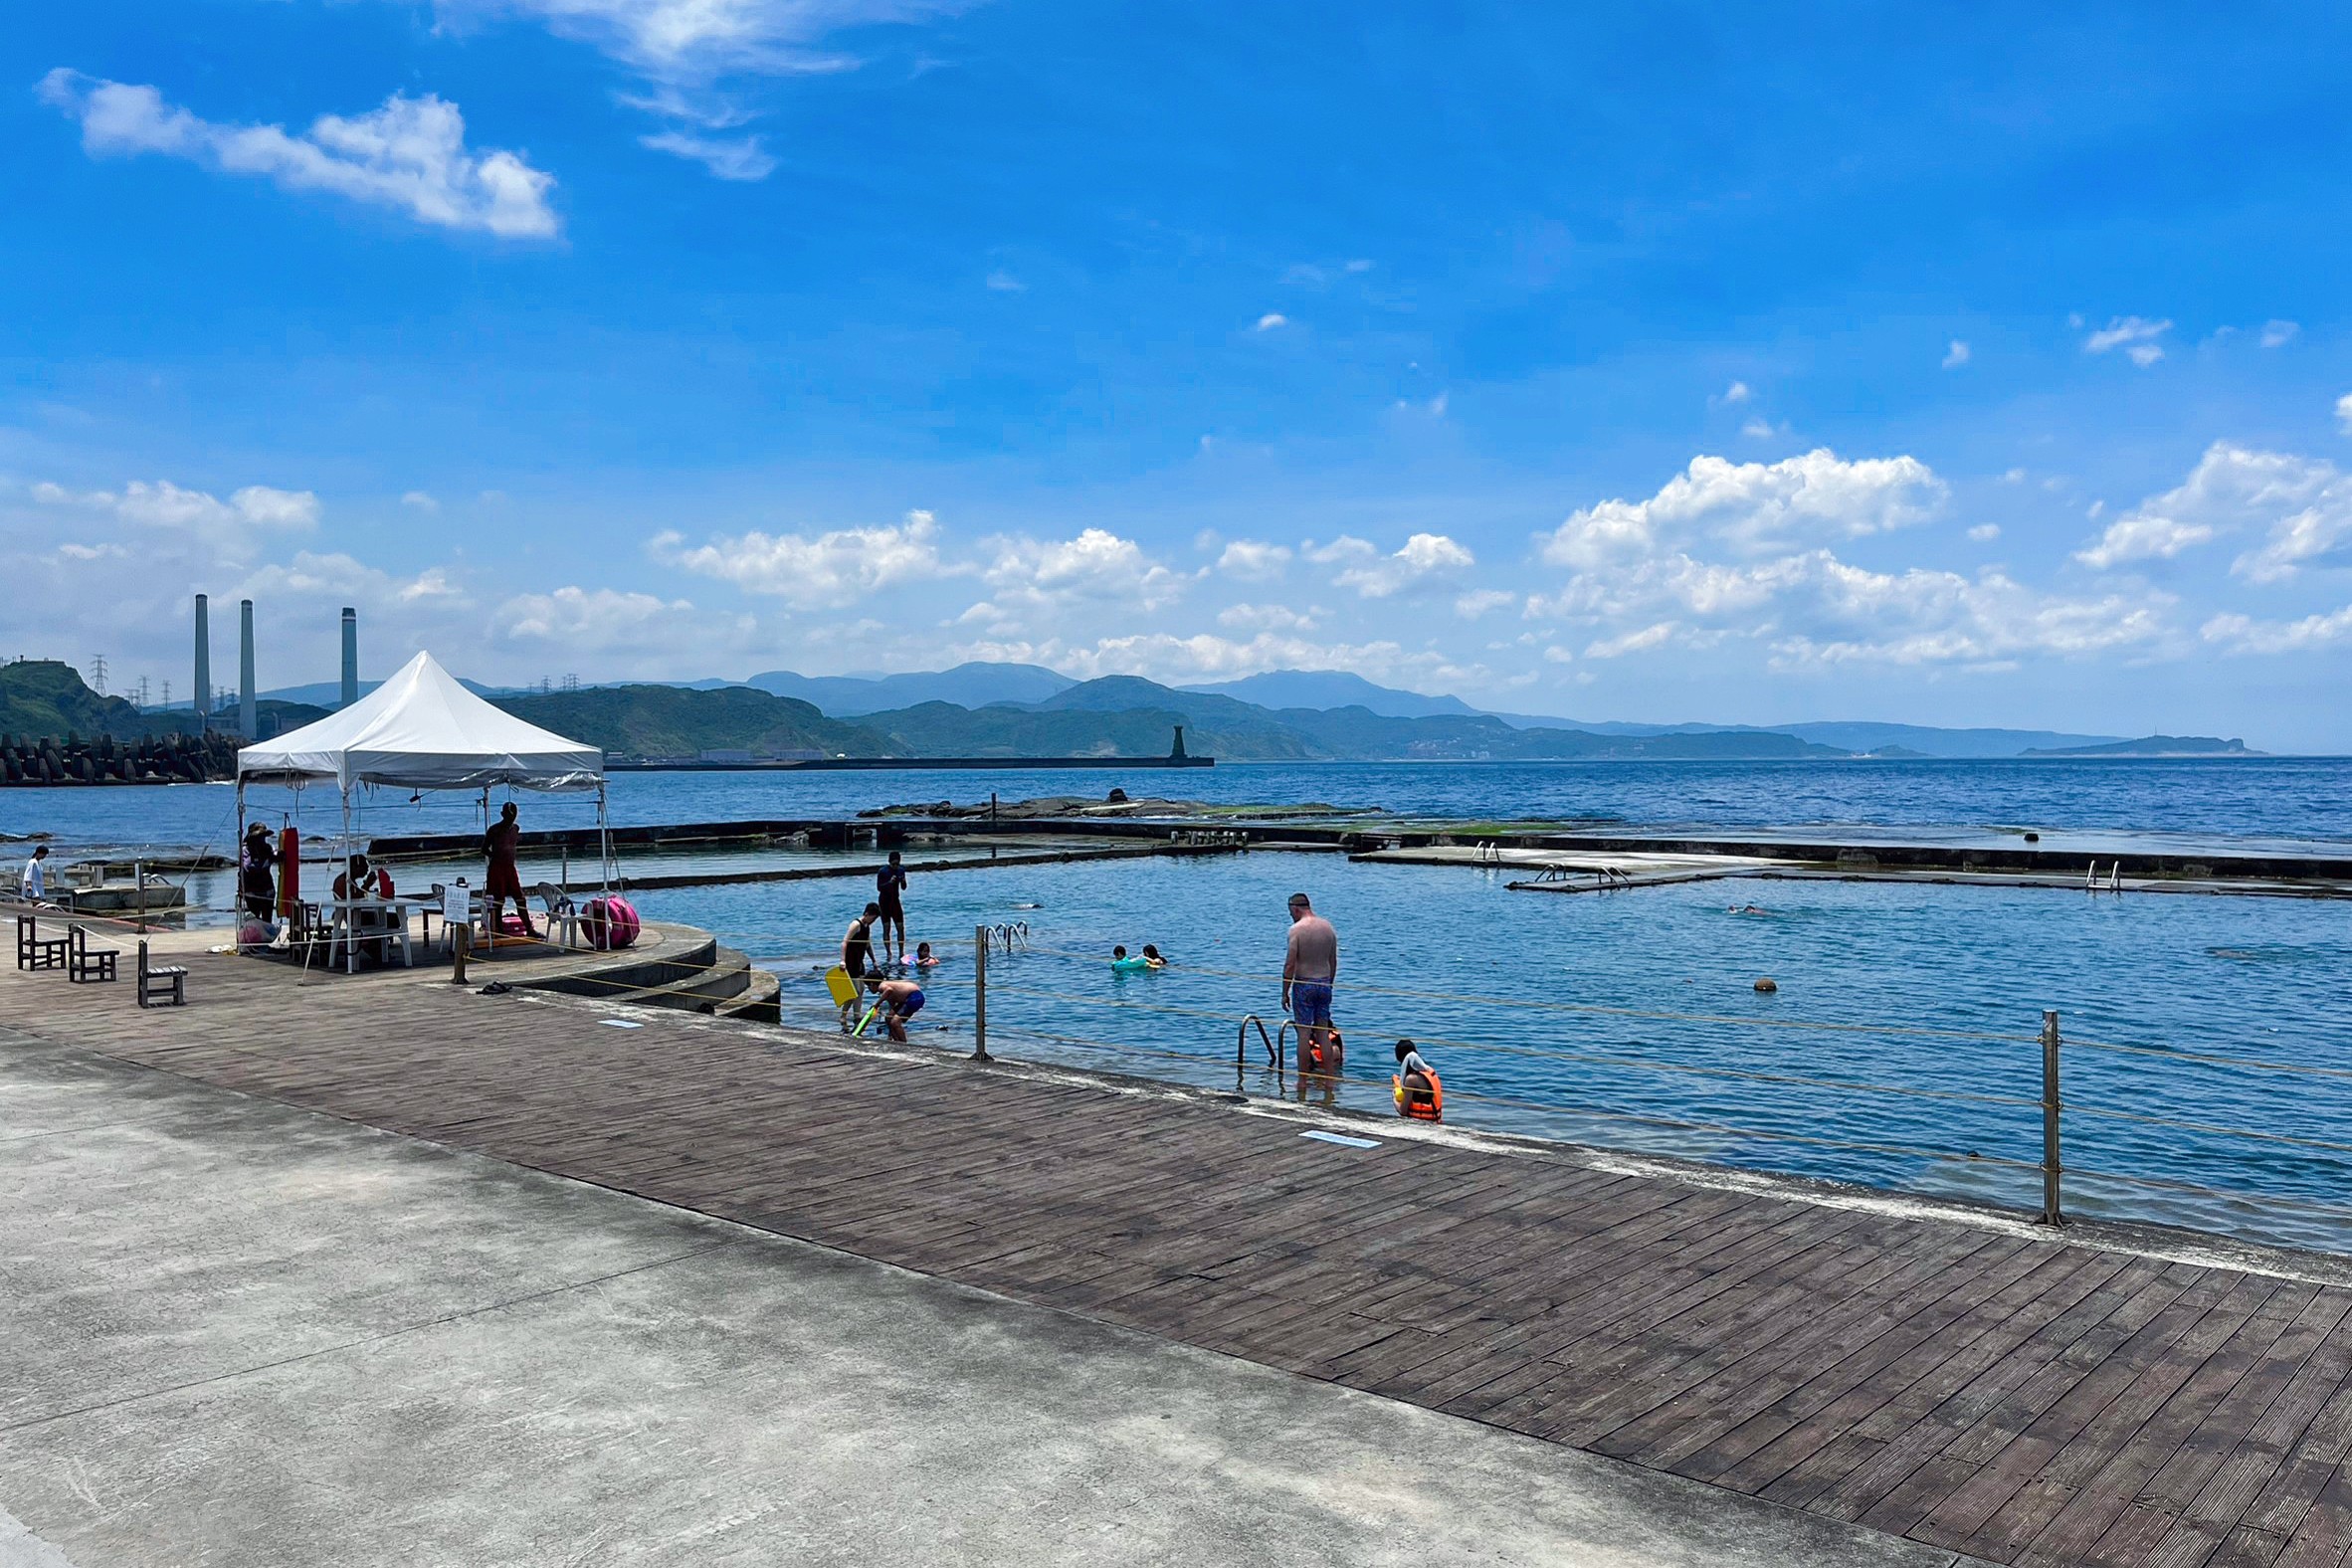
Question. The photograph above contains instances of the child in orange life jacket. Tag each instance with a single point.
(1420, 1097)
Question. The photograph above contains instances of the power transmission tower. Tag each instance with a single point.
(98, 674)
(142, 697)
(571, 683)
(168, 694)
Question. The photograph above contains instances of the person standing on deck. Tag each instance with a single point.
(503, 881)
(889, 884)
(1310, 966)
(36, 888)
(253, 874)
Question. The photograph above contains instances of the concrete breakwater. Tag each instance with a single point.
(157, 759)
(1851, 855)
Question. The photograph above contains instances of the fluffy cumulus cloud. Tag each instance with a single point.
(409, 155)
(1096, 568)
(1423, 558)
(2297, 511)
(1753, 508)
(1253, 561)
(812, 571)
(1744, 551)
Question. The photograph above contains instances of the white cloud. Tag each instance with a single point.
(1646, 577)
(1754, 507)
(1483, 601)
(696, 41)
(1002, 281)
(1168, 657)
(1097, 566)
(1377, 576)
(808, 573)
(606, 619)
(1756, 428)
(1268, 321)
(1265, 618)
(234, 526)
(1985, 533)
(2344, 411)
(2302, 506)
(2142, 536)
(421, 501)
(2238, 634)
(1254, 561)
(2278, 334)
(727, 157)
(410, 154)
(2135, 336)
(1737, 392)
(1634, 642)
(1956, 355)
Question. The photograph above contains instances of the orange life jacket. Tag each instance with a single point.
(1421, 1104)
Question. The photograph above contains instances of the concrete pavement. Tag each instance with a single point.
(233, 1333)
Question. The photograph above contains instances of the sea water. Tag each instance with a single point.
(2256, 799)
(1900, 1048)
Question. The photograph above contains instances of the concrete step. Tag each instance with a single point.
(726, 977)
(685, 954)
(760, 1003)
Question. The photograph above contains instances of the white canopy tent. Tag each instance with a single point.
(421, 729)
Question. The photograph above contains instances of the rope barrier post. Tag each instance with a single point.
(980, 994)
(2052, 1214)
(461, 942)
(138, 874)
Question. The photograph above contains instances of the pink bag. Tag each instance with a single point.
(609, 921)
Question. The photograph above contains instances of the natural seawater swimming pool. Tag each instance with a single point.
(2264, 979)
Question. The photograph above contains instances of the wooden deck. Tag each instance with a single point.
(1965, 1385)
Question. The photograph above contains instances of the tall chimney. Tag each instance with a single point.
(203, 660)
(350, 656)
(245, 723)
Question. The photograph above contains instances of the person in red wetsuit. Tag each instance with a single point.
(504, 879)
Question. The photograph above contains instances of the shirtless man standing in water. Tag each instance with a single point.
(1309, 967)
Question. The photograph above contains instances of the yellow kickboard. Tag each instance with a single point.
(843, 989)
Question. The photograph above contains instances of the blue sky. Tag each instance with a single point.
(1757, 363)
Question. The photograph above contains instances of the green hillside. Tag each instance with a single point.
(676, 721)
(45, 699)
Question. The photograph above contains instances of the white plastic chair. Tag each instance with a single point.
(562, 915)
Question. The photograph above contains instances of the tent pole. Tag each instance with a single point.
(237, 855)
(604, 841)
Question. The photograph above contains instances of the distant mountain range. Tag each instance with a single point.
(982, 708)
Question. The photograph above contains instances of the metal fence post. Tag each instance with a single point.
(138, 874)
(2051, 1213)
(980, 994)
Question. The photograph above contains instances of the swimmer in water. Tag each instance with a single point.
(1153, 958)
(923, 958)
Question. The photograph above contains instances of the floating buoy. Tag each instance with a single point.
(1768, 984)
(2032, 838)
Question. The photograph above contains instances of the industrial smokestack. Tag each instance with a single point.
(245, 721)
(350, 656)
(203, 660)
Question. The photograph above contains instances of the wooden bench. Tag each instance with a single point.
(85, 962)
(35, 951)
(161, 985)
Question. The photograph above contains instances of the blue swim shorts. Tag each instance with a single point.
(1310, 1003)
(913, 1005)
